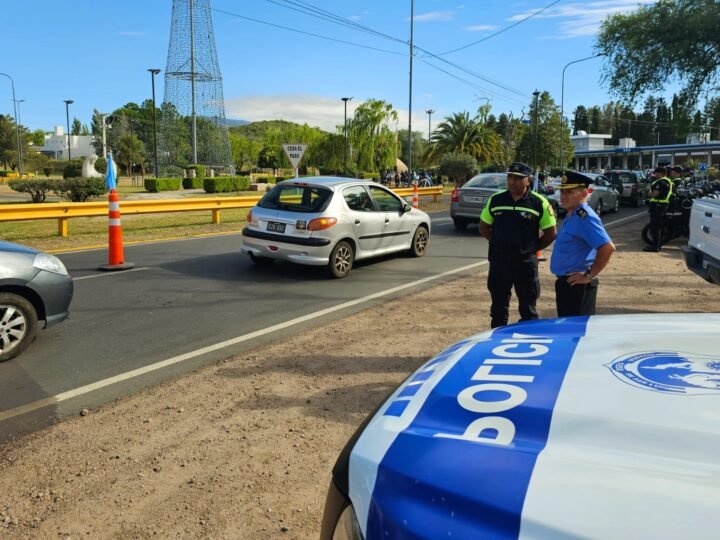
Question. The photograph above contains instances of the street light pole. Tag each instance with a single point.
(103, 116)
(68, 102)
(429, 113)
(345, 100)
(153, 72)
(535, 123)
(562, 101)
(17, 127)
(21, 161)
(412, 21)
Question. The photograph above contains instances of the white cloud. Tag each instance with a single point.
(481, 28)
(318, 111)
(435, 16)
(583, 19)
(354, 17)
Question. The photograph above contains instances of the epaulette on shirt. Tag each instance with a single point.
(582, 213)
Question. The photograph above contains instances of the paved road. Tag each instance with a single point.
(192, 302)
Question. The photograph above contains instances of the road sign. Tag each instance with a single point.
(703, 167)
(294, 152)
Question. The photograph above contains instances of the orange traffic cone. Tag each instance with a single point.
(540, 256)
(116, 258)
(415, 197)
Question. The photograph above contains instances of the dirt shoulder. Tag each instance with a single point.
(244, 448)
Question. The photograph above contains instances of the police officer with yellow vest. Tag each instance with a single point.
(517, 222)
(660, 193)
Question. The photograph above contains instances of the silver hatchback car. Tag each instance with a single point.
(328, 221)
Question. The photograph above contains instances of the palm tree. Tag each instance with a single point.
(459, 133)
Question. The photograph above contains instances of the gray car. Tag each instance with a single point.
(332, 222)
(468, 201)
(603, 197)
(34, 286)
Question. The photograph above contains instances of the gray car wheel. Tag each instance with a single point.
(18, 325)
(261, 261)
(341, 260)
(616, 208)
(599, 207)
(419, 242)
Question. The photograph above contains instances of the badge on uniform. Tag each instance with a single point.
(582, 212)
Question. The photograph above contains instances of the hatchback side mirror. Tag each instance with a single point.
(406, 208)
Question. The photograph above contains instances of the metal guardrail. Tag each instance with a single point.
(65, 211)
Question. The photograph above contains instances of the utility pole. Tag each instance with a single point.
(535, 123)
(153, 72)
(412, 17)
(429, 113)
(345, 100)
(17, 127)
(68, 102)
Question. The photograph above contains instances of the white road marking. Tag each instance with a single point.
(103, 274)
(623, 220)
(70, 394)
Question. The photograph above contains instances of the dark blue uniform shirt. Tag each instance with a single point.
(577, 242)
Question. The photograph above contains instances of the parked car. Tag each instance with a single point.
(34, 286)
(602, 196)
(632, 186)
(468, 201)
(327, 221)
(581, 427)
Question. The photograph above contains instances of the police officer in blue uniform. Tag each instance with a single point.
(582, 250)
(660, 195)
(518, 222)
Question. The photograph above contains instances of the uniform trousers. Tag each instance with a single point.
(572, 300)
(657, 214)
(505, 274)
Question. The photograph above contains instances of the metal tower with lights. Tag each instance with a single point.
(193, 128)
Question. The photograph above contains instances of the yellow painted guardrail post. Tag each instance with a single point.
(63, 227)
(216, 217)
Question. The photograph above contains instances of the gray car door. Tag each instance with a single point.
(368, 223)
(398, 228)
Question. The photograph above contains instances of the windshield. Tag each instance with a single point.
(488, 180)
(295, 198)
(622, 177)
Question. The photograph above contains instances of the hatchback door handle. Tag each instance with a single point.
(387, 220)
(357, 222)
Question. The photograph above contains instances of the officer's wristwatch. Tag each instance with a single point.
(588, 275)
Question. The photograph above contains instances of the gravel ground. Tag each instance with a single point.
(244, 448)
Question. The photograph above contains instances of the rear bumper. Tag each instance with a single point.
(286, 251)
(702, 264)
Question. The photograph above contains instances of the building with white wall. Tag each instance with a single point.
(56, 145)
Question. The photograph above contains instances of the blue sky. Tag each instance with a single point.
(97, 52)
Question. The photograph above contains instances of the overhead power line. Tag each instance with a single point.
(307, 33)
(536, 13)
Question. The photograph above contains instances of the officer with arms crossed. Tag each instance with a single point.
(660, 193)
(512, 221)
(581, 251)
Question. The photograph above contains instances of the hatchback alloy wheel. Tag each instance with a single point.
(341, 260)
(419, 242)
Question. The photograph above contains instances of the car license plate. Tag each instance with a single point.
(476, 199)
(274, 226)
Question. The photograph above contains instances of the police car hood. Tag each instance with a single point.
(600, 427)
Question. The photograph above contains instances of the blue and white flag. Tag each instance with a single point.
(110, 180)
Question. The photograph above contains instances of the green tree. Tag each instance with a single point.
(75, 127)
(371, 139)
(668, 41)
(244, 151)
(459, 133)
(458, 167)
(130, 151)
(37, 137)
(8, 142)
(580, 123)
(545, 139)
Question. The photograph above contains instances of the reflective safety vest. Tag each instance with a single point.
(666, 199)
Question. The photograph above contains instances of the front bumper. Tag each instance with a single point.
(56, 292)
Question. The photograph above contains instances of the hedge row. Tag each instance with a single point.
(155, 185)
(226, 184)
(71, 189)
(200, 170)
(192, 183)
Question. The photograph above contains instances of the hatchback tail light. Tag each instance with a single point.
(321, 223)
(248, 218)
(454, 195)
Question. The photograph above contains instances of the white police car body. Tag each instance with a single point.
(600, 427)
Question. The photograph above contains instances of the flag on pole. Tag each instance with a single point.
(110, 180)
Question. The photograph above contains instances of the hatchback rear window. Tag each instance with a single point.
(498, 181)
(294, 198)
(625, 178)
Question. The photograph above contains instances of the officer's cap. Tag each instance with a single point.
(518, 168)
(572, 179)
(677, 169)
(687, 170)
(661, 170)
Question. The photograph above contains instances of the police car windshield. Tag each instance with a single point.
(294, 198)
(488, 180)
